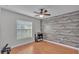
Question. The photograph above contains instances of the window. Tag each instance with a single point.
(24, 29)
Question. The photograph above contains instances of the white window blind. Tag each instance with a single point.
(24, 29)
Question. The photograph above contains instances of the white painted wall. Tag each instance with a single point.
(8, 27)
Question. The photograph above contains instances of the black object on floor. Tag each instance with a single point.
(38, 37)
(6, 49)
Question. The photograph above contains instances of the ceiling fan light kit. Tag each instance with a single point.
(41, 16)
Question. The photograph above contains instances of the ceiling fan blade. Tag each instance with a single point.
(36, 15)
(36, 12)
(47, 14)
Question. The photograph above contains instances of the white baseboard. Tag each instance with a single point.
(62, 45)
(21, 44)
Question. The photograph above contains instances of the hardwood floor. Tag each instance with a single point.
(42, 48)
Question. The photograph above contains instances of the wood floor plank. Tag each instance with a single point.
(42, 47)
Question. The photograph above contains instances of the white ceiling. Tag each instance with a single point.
(53, 9)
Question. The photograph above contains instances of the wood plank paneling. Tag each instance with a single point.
(64, 27)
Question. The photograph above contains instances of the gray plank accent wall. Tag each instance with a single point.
(63, 28)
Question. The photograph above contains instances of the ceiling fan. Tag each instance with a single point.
(42, 13)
